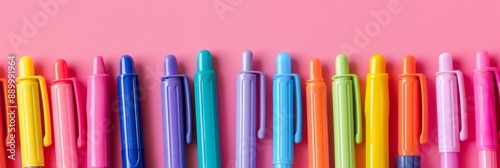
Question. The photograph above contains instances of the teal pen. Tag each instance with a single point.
(207, 120)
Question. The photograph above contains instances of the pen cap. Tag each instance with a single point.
(170, 65)
(445, 62)
(204, 61)
(377, 64)
(409, 65)
(283, 63)
(127, 65)
(247, 61)
(99, 67)
(341, 65)
(482, 59)
(60, 69)
(26, 67)
(315, 69)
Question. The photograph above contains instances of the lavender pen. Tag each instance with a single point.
(246, 115)
(176, 107)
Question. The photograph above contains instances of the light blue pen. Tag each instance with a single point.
(286, 86)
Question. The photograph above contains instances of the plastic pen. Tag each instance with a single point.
(65, 101)
(412, 109)
(485, 96)
(346, 113)
(246, 113)
(450, 97)
(317, 119)
(207, 120)
(286, 87)
(30, 89)
(377, 114)
(98, 117)
(176, 114)
(130, 115)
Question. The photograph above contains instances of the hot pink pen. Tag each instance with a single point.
(98, 121)
(451, 102)
(65, 98)
(485, 103)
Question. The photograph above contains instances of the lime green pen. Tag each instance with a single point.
(346, 113)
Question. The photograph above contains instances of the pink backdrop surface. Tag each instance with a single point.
(148, 31)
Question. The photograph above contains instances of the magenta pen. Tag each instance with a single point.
(451, 102)
(485, 93)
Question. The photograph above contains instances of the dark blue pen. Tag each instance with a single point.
(130, 115)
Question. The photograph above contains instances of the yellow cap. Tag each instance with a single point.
(26, 67)
(377, 64)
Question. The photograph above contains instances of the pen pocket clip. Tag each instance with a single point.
(357, 105)
(81, 140)
(464, 133)
(496, 73)
(298, 104)
(47, 138)
(262, 123)
(423, 94)
(187, 105)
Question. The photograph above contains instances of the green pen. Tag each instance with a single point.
(346, 113)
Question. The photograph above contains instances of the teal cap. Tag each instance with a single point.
(204, 61)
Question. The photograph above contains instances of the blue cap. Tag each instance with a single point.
(283, 63)
(170, 65)
(127, 65)
(204, 61)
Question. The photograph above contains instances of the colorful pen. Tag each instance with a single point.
(130, 115)
(412, 114)
(317, 119)
(346, 113)
(450, 97)
(98, 117)
(246, 113)
(66, 100)
(29, 87)
(176, 114)
(377, 114)
(286, 87)
(486, 78)
(207, 120)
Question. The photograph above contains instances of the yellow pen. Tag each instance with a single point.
(377, 114)
(29, 87)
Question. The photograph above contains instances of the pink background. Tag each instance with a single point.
(79, 30)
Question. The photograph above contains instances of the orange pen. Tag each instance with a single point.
(412, 114)
(317, 123)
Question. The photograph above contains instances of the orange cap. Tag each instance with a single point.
(60, 69)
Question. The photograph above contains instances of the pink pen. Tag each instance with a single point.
(450, 97)
(485, 103)
(65, 96)
(98, 121)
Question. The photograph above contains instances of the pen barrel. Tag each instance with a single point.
(377, 120)
(409, 116)
(485, 95)
(447, 113)
(98, 121)
(343, 120)
(63, 112)
(130, 121)
(30, 124)
(283, 119)
(246, 120)
(173, 123)
(207, 120)
(317, 125)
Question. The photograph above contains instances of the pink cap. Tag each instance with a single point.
(482, 59)
(445, 62)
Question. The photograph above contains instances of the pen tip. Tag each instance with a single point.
(409, 65)
(126, 65)
(341, 64)
(170, 65)
(377, 64)
(315, 69)
(283, 63)
(26, 67)
(204, 60)
(445, 62)
(60, 69)
(99, 67)
(482, 59)
(247, 64)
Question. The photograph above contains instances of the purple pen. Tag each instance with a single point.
(246, 115)
(176, 107)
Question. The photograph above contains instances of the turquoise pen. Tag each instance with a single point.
(286, 87)
(207, 120)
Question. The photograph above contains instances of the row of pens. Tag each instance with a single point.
(33, 100)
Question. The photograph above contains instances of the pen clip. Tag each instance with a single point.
(187, 104)
(357, 105)
(47, 138)
(5, 102)
(496, 72)
(298, 115)
(423, 91)
(81, 142)
(464, 132)
(262, 128)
